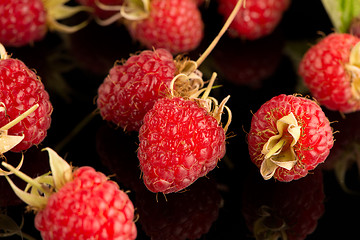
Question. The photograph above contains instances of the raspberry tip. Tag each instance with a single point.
(279, 151)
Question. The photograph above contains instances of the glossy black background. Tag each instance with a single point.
(73, 66)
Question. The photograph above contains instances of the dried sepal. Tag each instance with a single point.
(60, 169)
(7, 142)
(35, 201)
(353, 68)
(5, 173)
(279, 151)
(58, 10)
(132, 10)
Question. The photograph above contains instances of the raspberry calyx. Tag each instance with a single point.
(39, 189)
(57, 10)
(7, 142)
(353, 68)
(132, 10)
(279, 149)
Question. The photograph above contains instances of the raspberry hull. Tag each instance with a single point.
(179, 142)
(311, 147)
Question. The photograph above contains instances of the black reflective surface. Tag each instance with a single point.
(233, 199)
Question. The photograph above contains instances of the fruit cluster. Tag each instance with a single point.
(161, 95)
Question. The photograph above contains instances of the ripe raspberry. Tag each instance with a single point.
(131, 89)
(179, 142)
(331, 71)
(276, 210)
(23, 22)
(175, 25)
(289, 136)
(21, 89)
(82, 204)
(258, 19)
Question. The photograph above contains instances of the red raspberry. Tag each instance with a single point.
(276, 210)
(179, 142)
(329, 73)
(21, 89)
(22, 22)
(25, 21)
(175, 25)
(258, 19)
(82, 204)
(131, 89)
(289, 136)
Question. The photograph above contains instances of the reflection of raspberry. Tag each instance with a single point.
(187, 215)
(331, 75)
(131, 89)
(20, 89)
(283, 210)
(289, 136)
(258, 19)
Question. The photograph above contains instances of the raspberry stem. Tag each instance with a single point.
(220, 34)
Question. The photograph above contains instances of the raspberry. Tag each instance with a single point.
(23, 22)
(21, 89)
(258, 19)
(82, 204)
(131, 89)
(179, 142)
(330, 73)
(289, 136)
(276, 210)
(175, 25)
